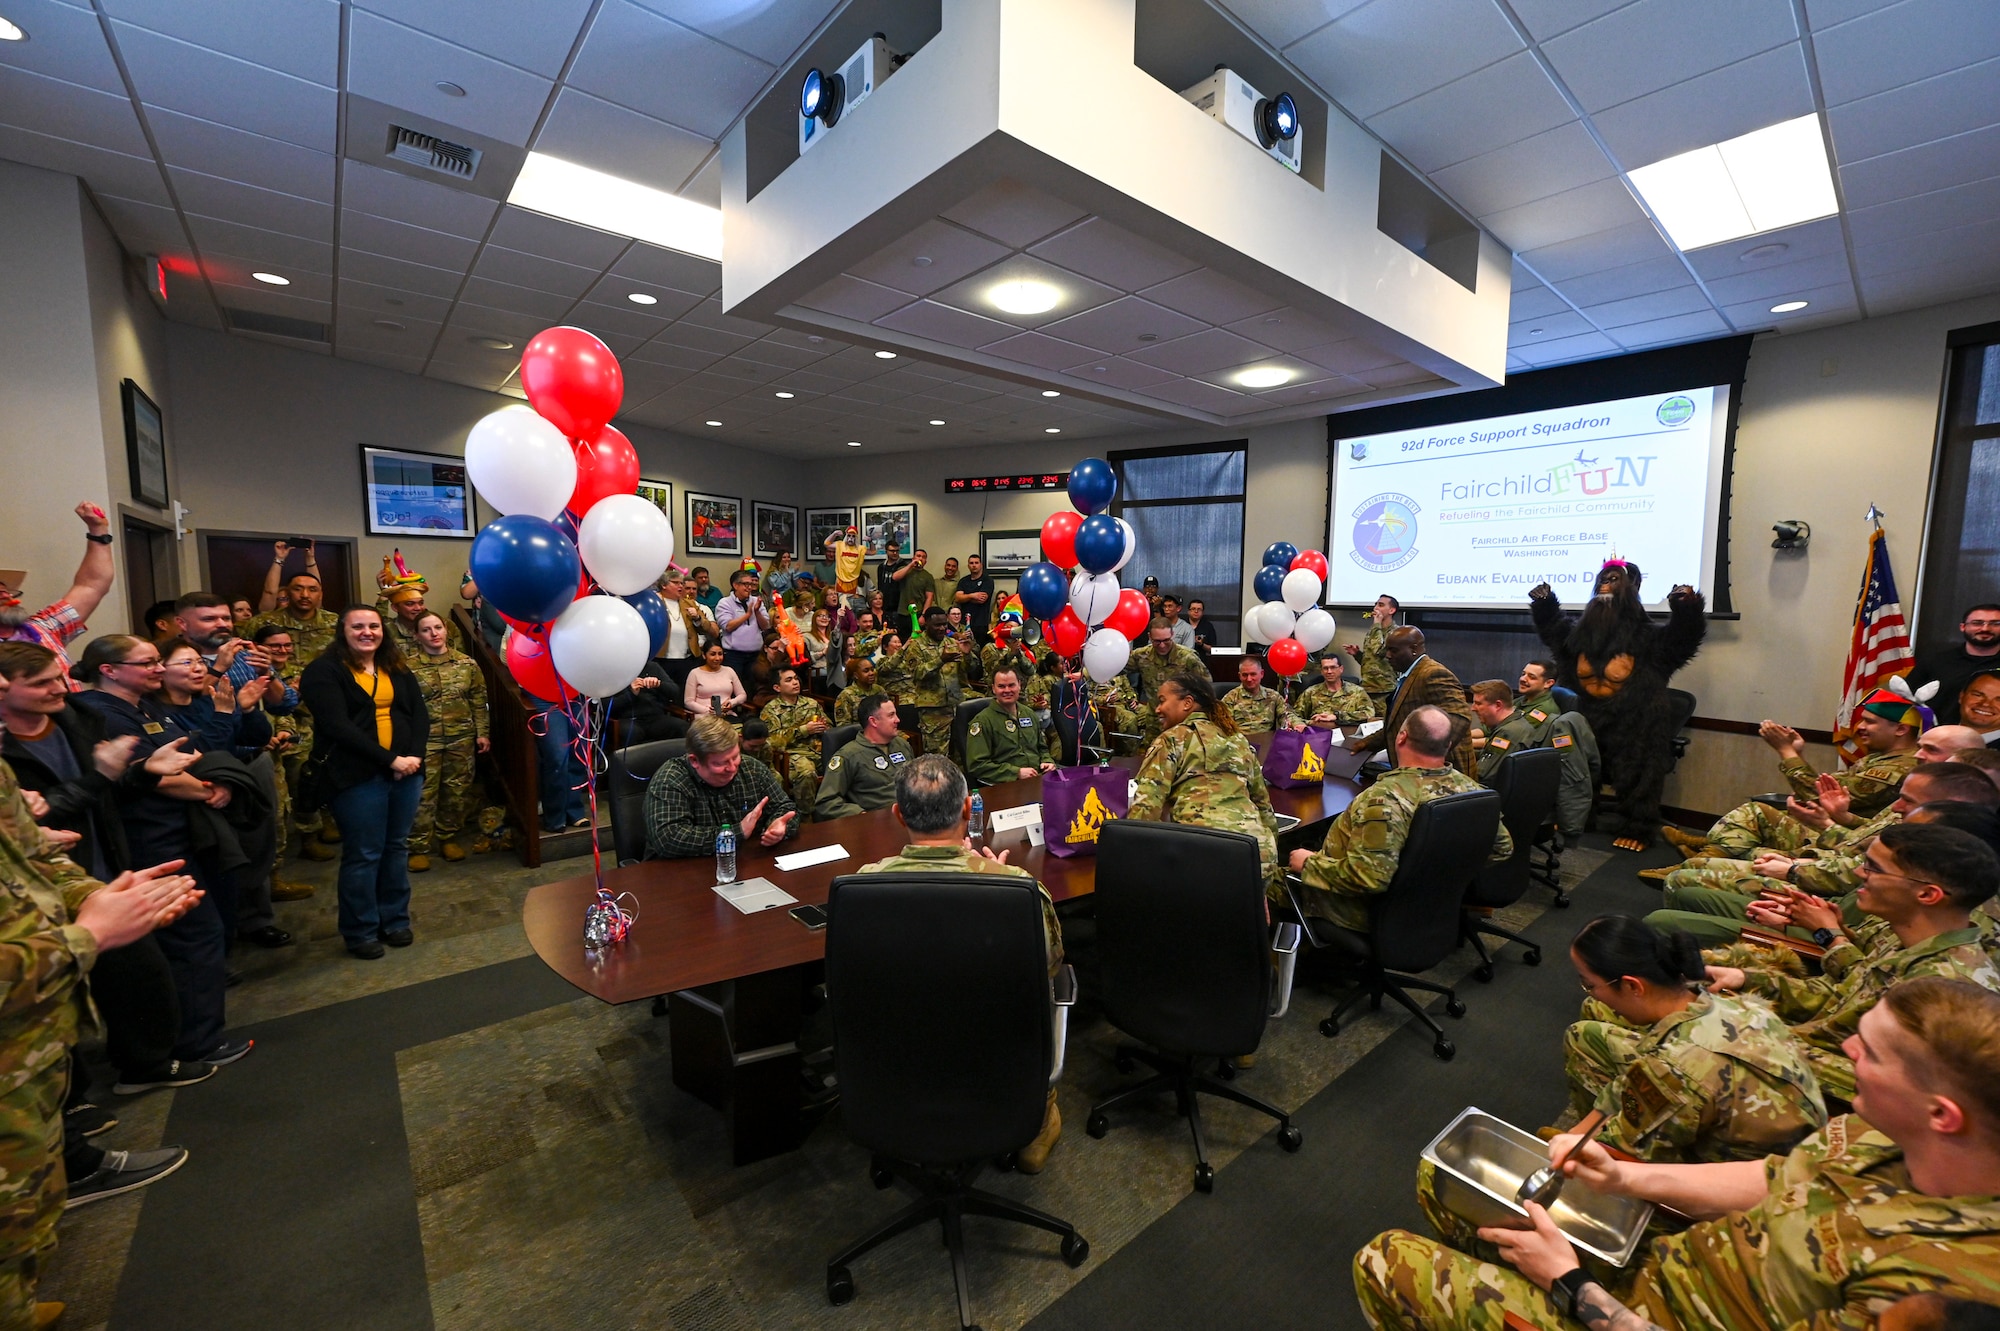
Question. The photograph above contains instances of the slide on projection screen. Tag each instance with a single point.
(1477, 512)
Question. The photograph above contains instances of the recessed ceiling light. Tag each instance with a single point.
(1759, 253)
(641, 298)
(937, 422)
(591, 198)
(1534, 332)
(1265, 376)
(1050, 392)
(814, 337)
(1024, 295)
(1786, 307)
(10, 33)
(785, 395)
(1774, 177)
(448, 88)
(885, 355)
(390, 324)
(854, 443)
(1052, 430)
(272, 279)
(922, 261)
(491, 343)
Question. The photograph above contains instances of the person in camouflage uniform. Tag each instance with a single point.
(401, 605)
(1007, 652)
(55, 922)
(1364, 844)
(455, 696)
(930, 674)
(1855, 1217)
(1038, 687)
(796, 725)
(1378, 677)
(861, 681)
(312, 628)
(1006, 741)
(1333, 701)
(1924, 883)
(1201, 771)
(1161, 659)
(1255, 709)
(862, 776)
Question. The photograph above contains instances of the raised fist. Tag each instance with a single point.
(1682, 594)
(1541, 591)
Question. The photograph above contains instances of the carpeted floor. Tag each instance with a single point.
(453, 1138)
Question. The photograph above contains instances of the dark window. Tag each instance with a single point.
(1186, 506)
(1962, 546)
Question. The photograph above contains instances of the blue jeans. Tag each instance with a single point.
(562, 773)
(374, 819)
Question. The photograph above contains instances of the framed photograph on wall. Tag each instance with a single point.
(820, 524)
(415, 494)
(886, 526)
(1007, 553)
(660, 494)
(145, 445)
(775, 528)
(714, 525)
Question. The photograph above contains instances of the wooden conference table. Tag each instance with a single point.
(733, 982)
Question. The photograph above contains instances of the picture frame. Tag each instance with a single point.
(880, 523)
(145, 445)
(408, 493)
(1008, 553)
(659, 493)
(820, 524)
(714, 525)
(774, 528)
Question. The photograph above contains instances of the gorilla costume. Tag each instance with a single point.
(1619, 665)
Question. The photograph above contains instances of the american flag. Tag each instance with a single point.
(1880, 646)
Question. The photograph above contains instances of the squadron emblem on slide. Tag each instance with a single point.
(1385, 532)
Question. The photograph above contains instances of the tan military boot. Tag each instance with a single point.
(1030, 1158)
(1658, 875)
(1686, 842)
(453, 851)
(315, 849)
(420, 863)
(48, 1314)
(329, 832)
(289, 889)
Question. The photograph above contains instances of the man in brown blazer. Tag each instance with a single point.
(1420, 681)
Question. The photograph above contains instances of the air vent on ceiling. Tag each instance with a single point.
(274, 325)
(433, 153)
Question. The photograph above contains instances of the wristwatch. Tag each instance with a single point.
(1565, 1288)
(102, 538)
(1825, 937)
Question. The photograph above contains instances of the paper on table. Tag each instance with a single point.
(805, 859)
(754, 894)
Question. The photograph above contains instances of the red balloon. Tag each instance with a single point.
(1133, 613)
(1059, 539)
(1313, 560)
(607, 465)
(538, 631)
(1287, 656)
(573, 380)
(1066, 632)
(535, 670)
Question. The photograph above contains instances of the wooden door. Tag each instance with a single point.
(150, 573)
(234, 565)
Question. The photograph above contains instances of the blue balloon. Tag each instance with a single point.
(525, 567)
(1092, 483)
(1279, 554)
(653, 609)
(1044, 590)
(567, 523)
(1269, 584)
(1100, 543)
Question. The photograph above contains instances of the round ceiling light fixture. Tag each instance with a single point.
(641, 298)
(1265, 376)
(272, 279)
(11, 32)
(937, 422)
(716, 424)
(1788, 306)
(854, 443)
(391, 325)
(822, 97)
(885, 355)
(491, 343)
(784, 394)
(1024, 295)
(1050, 392)
(1277, 120)
(1052, 430)
(448, 88)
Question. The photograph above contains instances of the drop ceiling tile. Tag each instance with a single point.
(1616, 248)
(1350, 357)
(675, 355)
(400, 66)
(1655, 305)
(1078, 293)
(858, 363)
(1112, 255)
(70, 111)
(1548, 18)
(267, 249)
(961, 394)
(1757, 313)
(270, 300)
(142, 228)
(64, 42)
(522, 300)
(1212, 349)
(1913, 288)
(1036, 349)
(1202, 397)
(1778, 281)
(771, 31)
(1328, 390)
(705, 185)
(697, 338)
(1548, 328)
(1572, 349)
(1921, 170)
(296, 37)
(1973, 245)
(1014, 214)
(1490, 108)
(777, 354)
(553, 238)
(1127, 324)
(1954, 103)
(1535, 300)
(1647, 46)
(1583, 211)
(359, 297)
(1282, 22)
(1374, 57)
(218, 150)
(628, 48)
(401, 198)
(1679, 328)
(1786, 245)
(527, 270)
(107, 173)
(1903, 44)
(928, 259)
(1630, 280)
(1302, 372)
(471, 320)
(811, 381)
(605, 136)
(1823, 14)
(388, 360)
(669, 268)
(668, 304)
(1549, 163)
(225, 271)
(868, 398)
(287, 213)
(533, 34)
(1287, 330)
(378, 235)
(199, 82)
(709, 315)
(1751, 94)
(852, 298)
(1209, 296)
(1961, 205)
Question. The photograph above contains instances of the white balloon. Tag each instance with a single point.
(1251, 635)
(625, 542)
(1131, 543)
(1314, 630)
(1093, 595)
(1274, 621)
(1301, 590)
(599, 644)
(1105, 653)
(520, 463)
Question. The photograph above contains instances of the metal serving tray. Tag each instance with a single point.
(1481, 1161)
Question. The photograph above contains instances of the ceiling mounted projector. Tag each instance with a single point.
(1272, 123)
(825, 97)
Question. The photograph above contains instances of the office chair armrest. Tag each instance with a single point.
(1285, 958)
(1062, 987)
(1292, 885)
(626, 864)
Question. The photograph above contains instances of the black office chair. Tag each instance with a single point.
(837, 739)
(960, 719)
(948, 1034)
(1223, 687)
(1526, 783)
(1185, 957)
(627, 773)
(1565, 698)
(1414, 924)
(1682, 705)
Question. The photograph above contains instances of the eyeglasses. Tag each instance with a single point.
(1868, 869)
(150, 663)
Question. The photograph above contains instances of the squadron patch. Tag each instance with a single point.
(882, 764)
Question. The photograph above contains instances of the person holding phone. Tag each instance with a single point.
(744, 619)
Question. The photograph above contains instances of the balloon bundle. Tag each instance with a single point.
(1289, 618)
(1074, 591)
(609, 919)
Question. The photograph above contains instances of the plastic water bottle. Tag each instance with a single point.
(975, 825)
(725, 855)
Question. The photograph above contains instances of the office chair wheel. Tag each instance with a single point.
(1329, 1028)
(839, 1285)
(1562, 899)
(660, 1006)
(1291, 1138)
(1532, 957)
(1005, 1161)
(1124, 1062)
(1483, 972)
(1444, 1049)
(1075, 1250)
(880, 1177)
(1453, 1007)
(1226, 1070)
(1097, 1126)
(1204, 1177)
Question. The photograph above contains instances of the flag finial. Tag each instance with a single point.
(1873, 515)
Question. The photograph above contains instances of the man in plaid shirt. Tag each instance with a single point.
(690, 800)
(60, 622)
